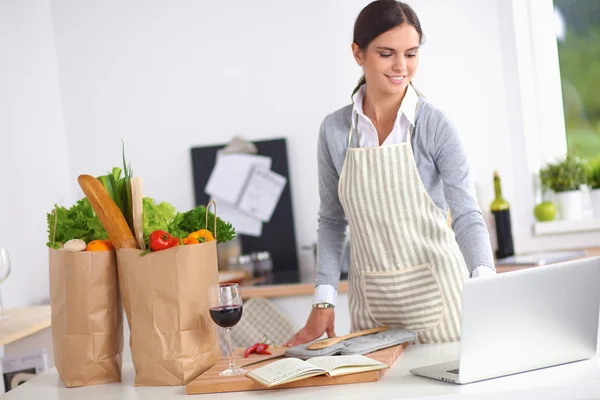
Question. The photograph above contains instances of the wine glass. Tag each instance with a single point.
(4, 273)
(226, 311)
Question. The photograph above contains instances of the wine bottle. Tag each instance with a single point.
(501, 211)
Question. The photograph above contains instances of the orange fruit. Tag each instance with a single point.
(108, 242)
(97, 245)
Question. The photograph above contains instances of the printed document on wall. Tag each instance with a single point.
(243, 223)
(261, 193)
(231, 171)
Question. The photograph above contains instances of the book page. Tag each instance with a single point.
(285, 370)
(346, 370)
(357, 362)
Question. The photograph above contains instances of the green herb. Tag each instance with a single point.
(195, 219)
(119, 189)
(565, 175)
(126, 191)
(77, 222)
(593, 173)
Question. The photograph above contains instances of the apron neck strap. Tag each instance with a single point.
(412, 126)
(354, 128)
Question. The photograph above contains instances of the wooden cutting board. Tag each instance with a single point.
(211, 382)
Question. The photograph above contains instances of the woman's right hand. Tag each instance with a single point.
(319, 321)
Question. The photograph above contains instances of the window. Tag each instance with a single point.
(539, 28)
(578, 40)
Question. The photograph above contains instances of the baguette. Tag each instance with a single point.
(108, 212)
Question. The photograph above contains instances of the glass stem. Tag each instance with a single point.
(231, 362)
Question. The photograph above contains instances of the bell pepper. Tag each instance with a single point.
(161, 240)
(202, 234)
(190, 241)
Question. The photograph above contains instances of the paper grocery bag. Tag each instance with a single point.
(86, 316)
(167, 300)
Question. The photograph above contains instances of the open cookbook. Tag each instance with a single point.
(294, 369)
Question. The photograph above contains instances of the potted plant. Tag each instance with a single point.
(593, 172)
(565, 178)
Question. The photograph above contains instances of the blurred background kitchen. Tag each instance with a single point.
(519, 78)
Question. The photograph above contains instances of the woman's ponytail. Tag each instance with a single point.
(361, 82)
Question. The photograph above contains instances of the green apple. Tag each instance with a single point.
(545, 211)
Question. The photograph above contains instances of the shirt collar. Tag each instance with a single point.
(408, 106)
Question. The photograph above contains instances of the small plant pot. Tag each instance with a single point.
(570, 205)
(595, 196)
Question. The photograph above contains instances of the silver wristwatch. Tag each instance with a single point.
(323, 305)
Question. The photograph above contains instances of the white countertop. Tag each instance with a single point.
(571, 381)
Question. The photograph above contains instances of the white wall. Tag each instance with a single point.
(462, 72)
(200, 72)
(167, 76)
(33, 150)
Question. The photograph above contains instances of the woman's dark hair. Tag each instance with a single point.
(379, 17)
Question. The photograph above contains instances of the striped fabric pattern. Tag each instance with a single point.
(407, 270)
(410, 297)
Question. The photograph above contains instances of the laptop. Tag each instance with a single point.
(525, 320)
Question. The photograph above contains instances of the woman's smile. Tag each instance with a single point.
(396, 79)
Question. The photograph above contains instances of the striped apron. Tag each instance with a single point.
(406, 267)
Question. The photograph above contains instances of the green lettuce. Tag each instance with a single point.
(77, 222)
(156, 216)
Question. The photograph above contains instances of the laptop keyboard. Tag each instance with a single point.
(453, 371)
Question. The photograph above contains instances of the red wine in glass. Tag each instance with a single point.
(226, 311)
(226, 316)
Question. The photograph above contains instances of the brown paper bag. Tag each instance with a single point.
(167, 300)
(87, 317)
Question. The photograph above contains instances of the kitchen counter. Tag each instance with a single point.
(288, 284)
(285, 290)
(22, 322)
(285, 284)
(591, 252)
(574, 380)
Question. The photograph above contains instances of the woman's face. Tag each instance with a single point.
(391, 59)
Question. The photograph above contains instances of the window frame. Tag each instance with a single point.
(540, 81)
(542, 117)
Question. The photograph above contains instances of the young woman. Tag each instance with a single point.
(390, 165)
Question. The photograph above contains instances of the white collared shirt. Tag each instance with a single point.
(370, 138)
(404, 120)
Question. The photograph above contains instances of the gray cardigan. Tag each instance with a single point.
(442, 166)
